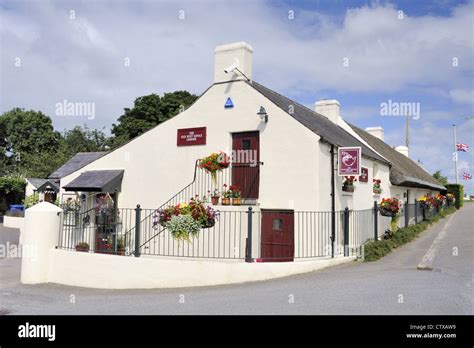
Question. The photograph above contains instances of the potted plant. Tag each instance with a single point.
(376, 188)
(82, 246)
(226, 195)
(348, 184)
(391, 207)
(121, 246)
(185, 219)
(236, 194)
(214, 163)
(450, 199)
(440, 200)
(215, 197)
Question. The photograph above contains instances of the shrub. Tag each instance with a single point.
(458, 191)
(31, 200)
(374, 250)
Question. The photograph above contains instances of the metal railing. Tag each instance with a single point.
(102, 231)
(237, 234)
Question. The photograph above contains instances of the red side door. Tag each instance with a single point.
(245, 166)
(278, 238)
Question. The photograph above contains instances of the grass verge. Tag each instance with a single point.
(374, 250)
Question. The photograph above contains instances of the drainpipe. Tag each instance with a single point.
(333, 203)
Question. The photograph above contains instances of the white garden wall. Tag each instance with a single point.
(13, 221)
(122, 272)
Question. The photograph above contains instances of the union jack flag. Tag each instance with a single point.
(466, 176)
(462, 147)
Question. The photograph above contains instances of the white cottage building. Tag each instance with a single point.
(294, 167)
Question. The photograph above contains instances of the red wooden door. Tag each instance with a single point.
(245, 165)
(278, 238)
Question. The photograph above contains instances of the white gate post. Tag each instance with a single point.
(39, 235)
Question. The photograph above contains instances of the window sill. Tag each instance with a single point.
(345, 193)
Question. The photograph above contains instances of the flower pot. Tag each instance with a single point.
(121, 252)
(384, 212)
(236, 201)
(85, 249)
(347, 188)
(215, 200)
(225, 201)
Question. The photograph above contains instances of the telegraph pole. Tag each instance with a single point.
(455, 155)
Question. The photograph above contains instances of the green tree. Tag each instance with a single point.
(147, 112)
(82, 139)
(12, 190)
(443, 180)
(26, 137)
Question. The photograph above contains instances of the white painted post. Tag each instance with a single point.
(39, 235)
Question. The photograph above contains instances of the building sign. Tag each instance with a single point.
(349, 159)
(364, 174)
(192, 136)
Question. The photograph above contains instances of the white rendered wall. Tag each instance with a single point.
(122, 272)
(156, 169)
(40, 233)
(13, 221)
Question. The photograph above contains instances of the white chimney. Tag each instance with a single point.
(402, 149)
(329, 108)
(375, 131)
(238, 55)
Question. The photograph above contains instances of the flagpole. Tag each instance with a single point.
(455, 155)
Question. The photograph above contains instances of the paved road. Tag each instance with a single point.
(354, 288)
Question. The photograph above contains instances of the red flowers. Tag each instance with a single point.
(350, 179)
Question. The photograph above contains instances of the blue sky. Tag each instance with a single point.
(400, 56)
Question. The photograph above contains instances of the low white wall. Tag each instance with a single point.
(123, 272)
(13, 221)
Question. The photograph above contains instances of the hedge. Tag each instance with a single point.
(374, 250)
(458, 191)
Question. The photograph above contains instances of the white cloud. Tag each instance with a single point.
(83, 59)
(462, 95)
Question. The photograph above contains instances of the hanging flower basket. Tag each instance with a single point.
(185, 220)
(389, 207)
(214, 163)
(348, 184)
(376, 186)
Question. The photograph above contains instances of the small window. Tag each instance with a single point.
(246, 144)
(277, 224)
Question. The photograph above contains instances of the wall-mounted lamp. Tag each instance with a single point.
(263, 114)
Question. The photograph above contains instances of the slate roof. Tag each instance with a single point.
(97, 181)
(36, 182)
(329, 131)
(54, 184)
(78, 161)
(404, 171)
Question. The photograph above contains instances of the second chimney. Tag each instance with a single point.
(329, 108)
(375, 131)
(402, 149)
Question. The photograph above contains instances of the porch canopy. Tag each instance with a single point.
(97, 181)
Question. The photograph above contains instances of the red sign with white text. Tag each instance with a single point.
(192, 136)
(349, 159)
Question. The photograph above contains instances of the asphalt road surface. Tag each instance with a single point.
(393, 285)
